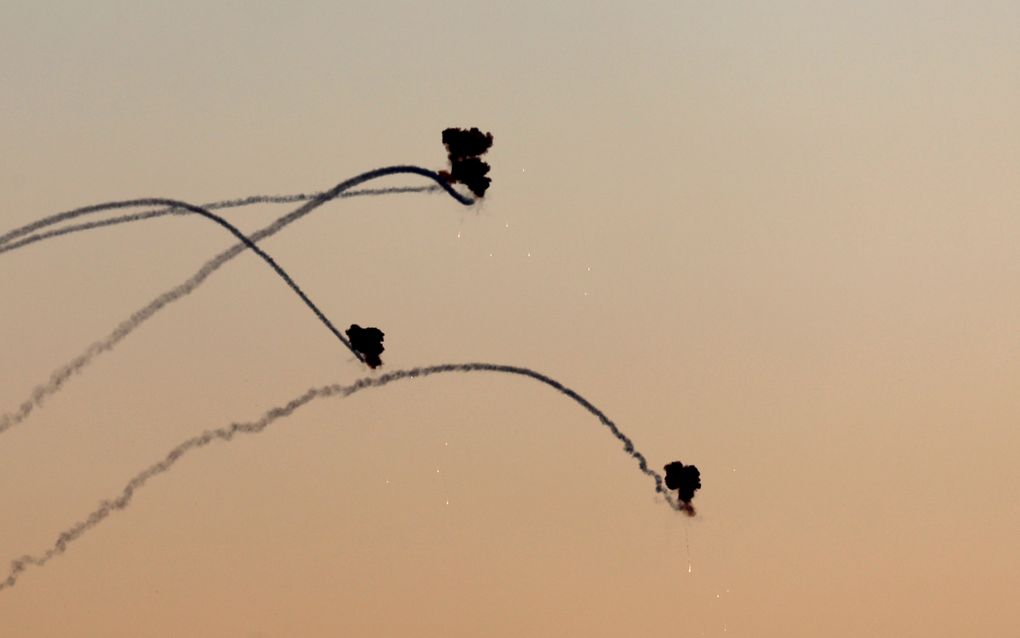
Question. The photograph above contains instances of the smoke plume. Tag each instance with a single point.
(464, 148)
(368, 343)
(686, 480)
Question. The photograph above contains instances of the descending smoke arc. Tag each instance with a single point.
(33, 238)
(198, 210)
(227, 433)
(61, 375)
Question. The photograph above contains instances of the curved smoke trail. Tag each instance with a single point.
(343, 186)
(61, 375)
(198, 210)
(163, 212)
(227, 433)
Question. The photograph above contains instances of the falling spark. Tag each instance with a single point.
(687, 543)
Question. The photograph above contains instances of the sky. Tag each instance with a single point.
(776, 240)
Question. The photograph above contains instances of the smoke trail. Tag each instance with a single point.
(78, 529)
(379, 172)
(232, 203)
(61, 375)
(198, 210)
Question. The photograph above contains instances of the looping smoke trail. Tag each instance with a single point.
(232, 203)
(61, 375)
(78, 529)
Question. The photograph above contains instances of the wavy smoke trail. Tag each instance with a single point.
(62, 374)
(227, 433)
(163, 212)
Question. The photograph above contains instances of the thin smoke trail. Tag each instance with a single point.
(232, 203)
(100, 208)
(121, 502)
(94, 208)
(61, 375)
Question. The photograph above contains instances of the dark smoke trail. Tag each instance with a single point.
(86, 210)
(60, 376)
(78, 529)
(232, 203)
(198, 210)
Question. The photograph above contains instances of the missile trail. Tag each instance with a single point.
(198, 210)
(227, 433)
(343, 186)
(15, 243)
(61, 375)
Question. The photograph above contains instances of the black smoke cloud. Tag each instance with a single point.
(464, 148)
(462, 143)
(368, 342)
(686, 480)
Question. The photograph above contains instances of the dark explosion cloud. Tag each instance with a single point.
(368, 342)
(686, 480)
(461, 143)
(464, 148)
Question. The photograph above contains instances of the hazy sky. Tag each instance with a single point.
(777, 240)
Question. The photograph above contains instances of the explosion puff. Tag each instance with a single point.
(460, 143)
(464, 148)
(686, 480)
(368, 342)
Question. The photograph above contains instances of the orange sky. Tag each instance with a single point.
(777, 242)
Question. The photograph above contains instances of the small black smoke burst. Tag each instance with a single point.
(464, 148)
(368, 342)
(686, 480)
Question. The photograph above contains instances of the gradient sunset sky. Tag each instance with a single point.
(778, 240)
